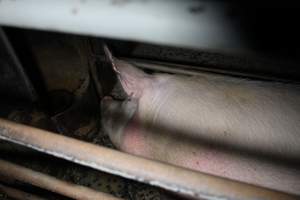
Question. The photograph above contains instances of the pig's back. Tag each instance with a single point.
(250, 115)
(238, 129)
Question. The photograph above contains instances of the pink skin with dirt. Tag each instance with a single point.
(234, 128)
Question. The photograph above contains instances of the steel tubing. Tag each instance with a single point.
(50, 183)
(177, 179)
(18, 194)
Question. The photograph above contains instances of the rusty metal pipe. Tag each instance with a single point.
(50, 183)
(18, 194)
(177, 179)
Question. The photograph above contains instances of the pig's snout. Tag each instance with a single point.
(115, 117)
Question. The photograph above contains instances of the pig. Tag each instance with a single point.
(241, 129)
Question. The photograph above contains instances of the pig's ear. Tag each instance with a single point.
(110, 58)
(134, 81)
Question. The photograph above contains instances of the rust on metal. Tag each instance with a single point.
(177, 179)
(50, 183)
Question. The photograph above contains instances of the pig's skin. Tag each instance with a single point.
(206, 122)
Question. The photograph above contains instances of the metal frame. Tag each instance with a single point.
(38, 179)
(189, 23)
(176, 179)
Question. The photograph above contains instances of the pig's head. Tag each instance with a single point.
(117, 114)
(133, 80)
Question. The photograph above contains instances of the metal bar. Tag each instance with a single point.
(50, 183)
(195, 24)
(192, 70)
(18, 194)
(166, 176)
(189, 70)
(14, 82)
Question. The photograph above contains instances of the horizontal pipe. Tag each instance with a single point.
(50, 183)
(18, 194)
(189, 70)
(193, 70)
(194, 24)
(177, 179)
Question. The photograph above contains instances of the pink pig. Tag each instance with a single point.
(230, 127)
